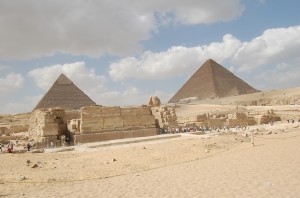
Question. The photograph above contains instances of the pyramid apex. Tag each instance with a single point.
(210, 62)
(63, 79)
(64, 93)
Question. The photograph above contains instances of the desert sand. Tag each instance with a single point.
(210, 165)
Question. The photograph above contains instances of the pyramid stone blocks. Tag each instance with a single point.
(65, 94)
(212, 80)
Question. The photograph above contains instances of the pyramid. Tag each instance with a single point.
(212, 80)
(64, 93)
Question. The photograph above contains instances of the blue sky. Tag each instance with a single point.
(123, 52)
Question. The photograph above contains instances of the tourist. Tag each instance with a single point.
(51, 144)
(1, 147)
(9, 147)
(28, 146)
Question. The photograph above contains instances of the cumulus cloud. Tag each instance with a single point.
(92, 84)
(175, 61)
(273, 46)
(22, 106)
(283, 75)
(131, 95)
(275, 53)
(85, 78)
(11, 83)
(31, 28)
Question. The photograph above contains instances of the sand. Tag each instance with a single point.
(223, 165)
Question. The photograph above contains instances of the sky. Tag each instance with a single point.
(122, 52)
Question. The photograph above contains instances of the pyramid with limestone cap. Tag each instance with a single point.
(212, 80)
(64, 93)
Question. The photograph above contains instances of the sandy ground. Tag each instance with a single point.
(189, 166)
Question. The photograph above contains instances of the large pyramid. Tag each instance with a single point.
(212, 80)
(64, 93)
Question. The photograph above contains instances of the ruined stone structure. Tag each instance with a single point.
(212, 80)
(48, 125)
(165, 116)
(218, 120)
(96, 123)
(99, 123)
(65, 94)
(14, 123)
(240, 119)
(269, 117)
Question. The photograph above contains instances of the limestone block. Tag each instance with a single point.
(129, 128)
(144, 111)
(89, 115)
(85, 138)
(114, 135)
(84, 129)
(128, 134)
(132, 120)
(201, 118)
(95, 122)
(72, 114)
(129, 111)
(60, 113)
(113, 121)
(147, 120)
(138, 133)
(50, 130)
(98, 127)
(111, 111)
(109, 129)
(151, 132)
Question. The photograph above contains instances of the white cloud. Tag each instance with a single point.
(275, 52)
(192, 11)
(175, 61)
(130, 96)
(283, 75)
(31, 28)
(78, 72)
(11, 83)
(4, 67)
(91, 83)
(23, 106)
(273, 46)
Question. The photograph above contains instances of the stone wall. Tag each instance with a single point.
(240, 119)
(165, 116)
(99, 123)
(47, 122)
